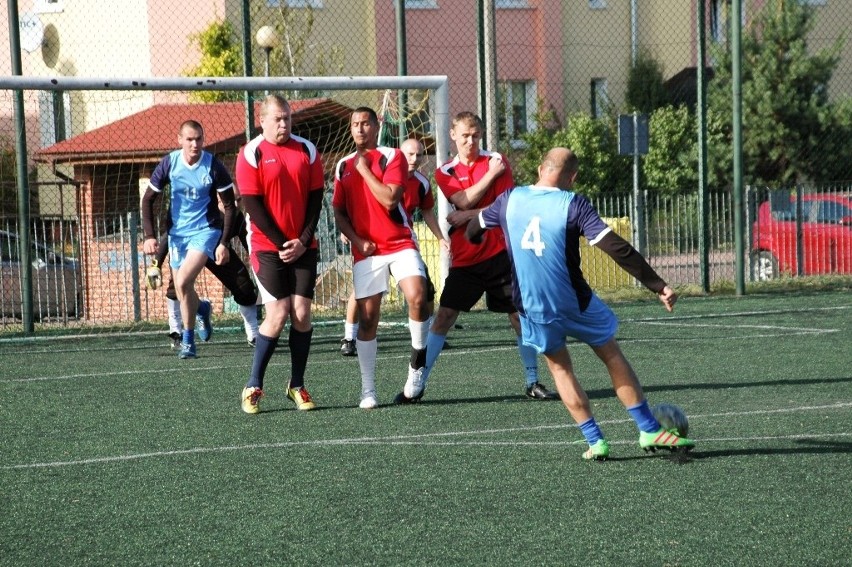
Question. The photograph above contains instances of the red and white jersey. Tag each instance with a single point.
(454, 176)
(283, 175)
(390, 230)
(418, 195)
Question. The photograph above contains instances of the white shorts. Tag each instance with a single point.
(371, 274)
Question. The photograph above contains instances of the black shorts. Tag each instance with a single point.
(493, 277)
(282, 280)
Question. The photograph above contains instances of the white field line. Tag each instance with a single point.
(327, 323)
(437, 439)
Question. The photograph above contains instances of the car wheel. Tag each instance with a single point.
(764, 266)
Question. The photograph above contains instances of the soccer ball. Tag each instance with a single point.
(672, 418)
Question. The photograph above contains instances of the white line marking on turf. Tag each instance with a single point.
(427, 439)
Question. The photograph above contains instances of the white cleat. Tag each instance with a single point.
(368, 401)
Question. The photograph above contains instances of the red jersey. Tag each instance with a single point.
(389, 230)
(418, 195)
(453, 177)
(283, 175)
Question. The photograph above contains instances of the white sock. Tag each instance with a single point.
(367, 361)
(249, 313)
(419, 331)
(350, 331)
(175, 319)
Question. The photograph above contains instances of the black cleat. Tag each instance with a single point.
(402, 399)
(176, 340)
(348, 348)
(538, 392)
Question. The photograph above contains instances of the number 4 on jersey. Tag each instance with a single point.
(531, 240)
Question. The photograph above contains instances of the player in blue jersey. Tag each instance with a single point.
(197, 230)
(542, 225)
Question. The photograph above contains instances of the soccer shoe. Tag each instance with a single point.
(250, 399)
(414, 388)
(187, 350)
(368, 400)
(175, 338)
(301, 398)
(153, 275)
(203, 325)
(348, 348)
(597, 452)
(663, 439)
(252, 342)
(538, 392)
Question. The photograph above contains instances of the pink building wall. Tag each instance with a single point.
(443, 41)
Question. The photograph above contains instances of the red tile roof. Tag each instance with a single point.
(153, 132)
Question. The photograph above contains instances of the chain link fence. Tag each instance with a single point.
(540, 72)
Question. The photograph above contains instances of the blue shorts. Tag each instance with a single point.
(594, 326)
(204, 241)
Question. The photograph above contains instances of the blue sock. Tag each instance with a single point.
(188, 336)
(643, 417)
(434, 346)
(529, 358)
(591, 431)
(262, 354)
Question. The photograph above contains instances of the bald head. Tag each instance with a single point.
(558, 168)
(414, 153)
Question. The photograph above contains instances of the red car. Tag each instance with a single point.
(826, 236)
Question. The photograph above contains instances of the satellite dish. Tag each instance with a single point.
(32, 32)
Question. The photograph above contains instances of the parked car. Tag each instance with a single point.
(826, 236)
(56, 281)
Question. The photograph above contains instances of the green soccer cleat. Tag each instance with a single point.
(597, 452)
(664, 439)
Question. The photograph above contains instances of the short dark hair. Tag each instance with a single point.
(374, 118)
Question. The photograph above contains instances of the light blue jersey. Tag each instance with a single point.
(542, 227)
(194, 204)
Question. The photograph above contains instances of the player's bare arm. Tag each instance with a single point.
(470, 197)
(388, 195)
(364, 246)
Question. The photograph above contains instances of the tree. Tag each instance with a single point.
(646, 88)
(671, 166)
(221, 56)
(788, 120)
(294, 27)
(602, 170)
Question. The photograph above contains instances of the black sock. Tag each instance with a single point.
(300, 348)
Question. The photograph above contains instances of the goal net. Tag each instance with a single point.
(92, 144)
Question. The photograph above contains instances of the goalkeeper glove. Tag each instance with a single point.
(153, 275)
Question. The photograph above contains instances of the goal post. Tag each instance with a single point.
(103, 118)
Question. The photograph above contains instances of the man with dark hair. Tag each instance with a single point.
(369, 211)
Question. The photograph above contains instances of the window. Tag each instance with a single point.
(718, 20)
(54, 116)
(597, 4)
(600, 98)
(49, 6)
(421, 4)
(511, 4)
(295, 3)
(517, 103)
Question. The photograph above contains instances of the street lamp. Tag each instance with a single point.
(268, 39)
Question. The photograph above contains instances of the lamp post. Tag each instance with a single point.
(268, 39)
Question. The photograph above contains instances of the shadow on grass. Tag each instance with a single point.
(806, 447)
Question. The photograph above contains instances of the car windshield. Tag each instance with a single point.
(832, 211)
